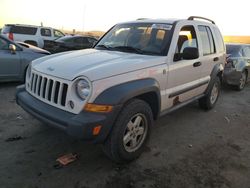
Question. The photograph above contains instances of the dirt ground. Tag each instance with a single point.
(188, 148)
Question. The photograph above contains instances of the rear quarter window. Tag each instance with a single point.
(218, 40)
(23, 30)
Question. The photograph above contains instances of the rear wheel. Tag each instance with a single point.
(130, 132)
(210, 99)
(243, 81)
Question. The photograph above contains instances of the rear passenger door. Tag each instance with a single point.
(208, 58)
(46, 34)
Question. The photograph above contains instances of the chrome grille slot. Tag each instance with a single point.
(48, 89)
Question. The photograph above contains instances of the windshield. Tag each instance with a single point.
(143, 38)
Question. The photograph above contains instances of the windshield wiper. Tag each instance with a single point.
(128, 49)
(104, 46)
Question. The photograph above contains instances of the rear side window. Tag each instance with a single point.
(207, 41)
(23, 30)
(219, 40)
(45, 32)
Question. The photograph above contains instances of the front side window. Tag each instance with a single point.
(46, 32)
(92, 41)
(58, 33)
(187, 38)
(143, 38)
(207, 42)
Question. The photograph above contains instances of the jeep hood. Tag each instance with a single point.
(94, 64)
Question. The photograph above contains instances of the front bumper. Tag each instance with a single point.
(77, 125)
(231, 76)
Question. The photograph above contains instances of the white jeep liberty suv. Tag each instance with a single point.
(136, 72)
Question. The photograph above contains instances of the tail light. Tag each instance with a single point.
(11, 36)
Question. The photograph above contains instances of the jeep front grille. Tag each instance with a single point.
(48, 89)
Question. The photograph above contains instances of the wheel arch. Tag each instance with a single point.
(216, 72)
(145, 89)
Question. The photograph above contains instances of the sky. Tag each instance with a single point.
(232, 17)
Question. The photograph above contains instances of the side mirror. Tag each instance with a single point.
(12, 48)
(190, 53)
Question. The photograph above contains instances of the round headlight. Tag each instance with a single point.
(82, 88)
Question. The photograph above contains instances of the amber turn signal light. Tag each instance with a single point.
(96, 130)
(98, 108)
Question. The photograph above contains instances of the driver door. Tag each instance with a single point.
(184, 74)
(10, 62)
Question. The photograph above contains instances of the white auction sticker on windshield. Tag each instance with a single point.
(162, 26)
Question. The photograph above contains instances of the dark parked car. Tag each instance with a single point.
(237, 69)
(15, 58)
(73, 43)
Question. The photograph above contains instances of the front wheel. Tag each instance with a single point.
(130, 132)
(210, 99)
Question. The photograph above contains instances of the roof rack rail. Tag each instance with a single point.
(199, 17)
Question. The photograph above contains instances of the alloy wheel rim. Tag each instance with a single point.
(135, 133)
(243, 80)
(214, 93)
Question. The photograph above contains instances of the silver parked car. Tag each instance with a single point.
(237, 69)
(15, 58)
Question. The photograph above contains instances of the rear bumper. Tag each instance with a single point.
(231, 76)
(79, 126)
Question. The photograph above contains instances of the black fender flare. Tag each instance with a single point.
(120, 94)
(218, 68)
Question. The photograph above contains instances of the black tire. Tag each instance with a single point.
(208, 101)
(243, 81)
(114, 147)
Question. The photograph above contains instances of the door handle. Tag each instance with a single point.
(216, 59)
(197, 64)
